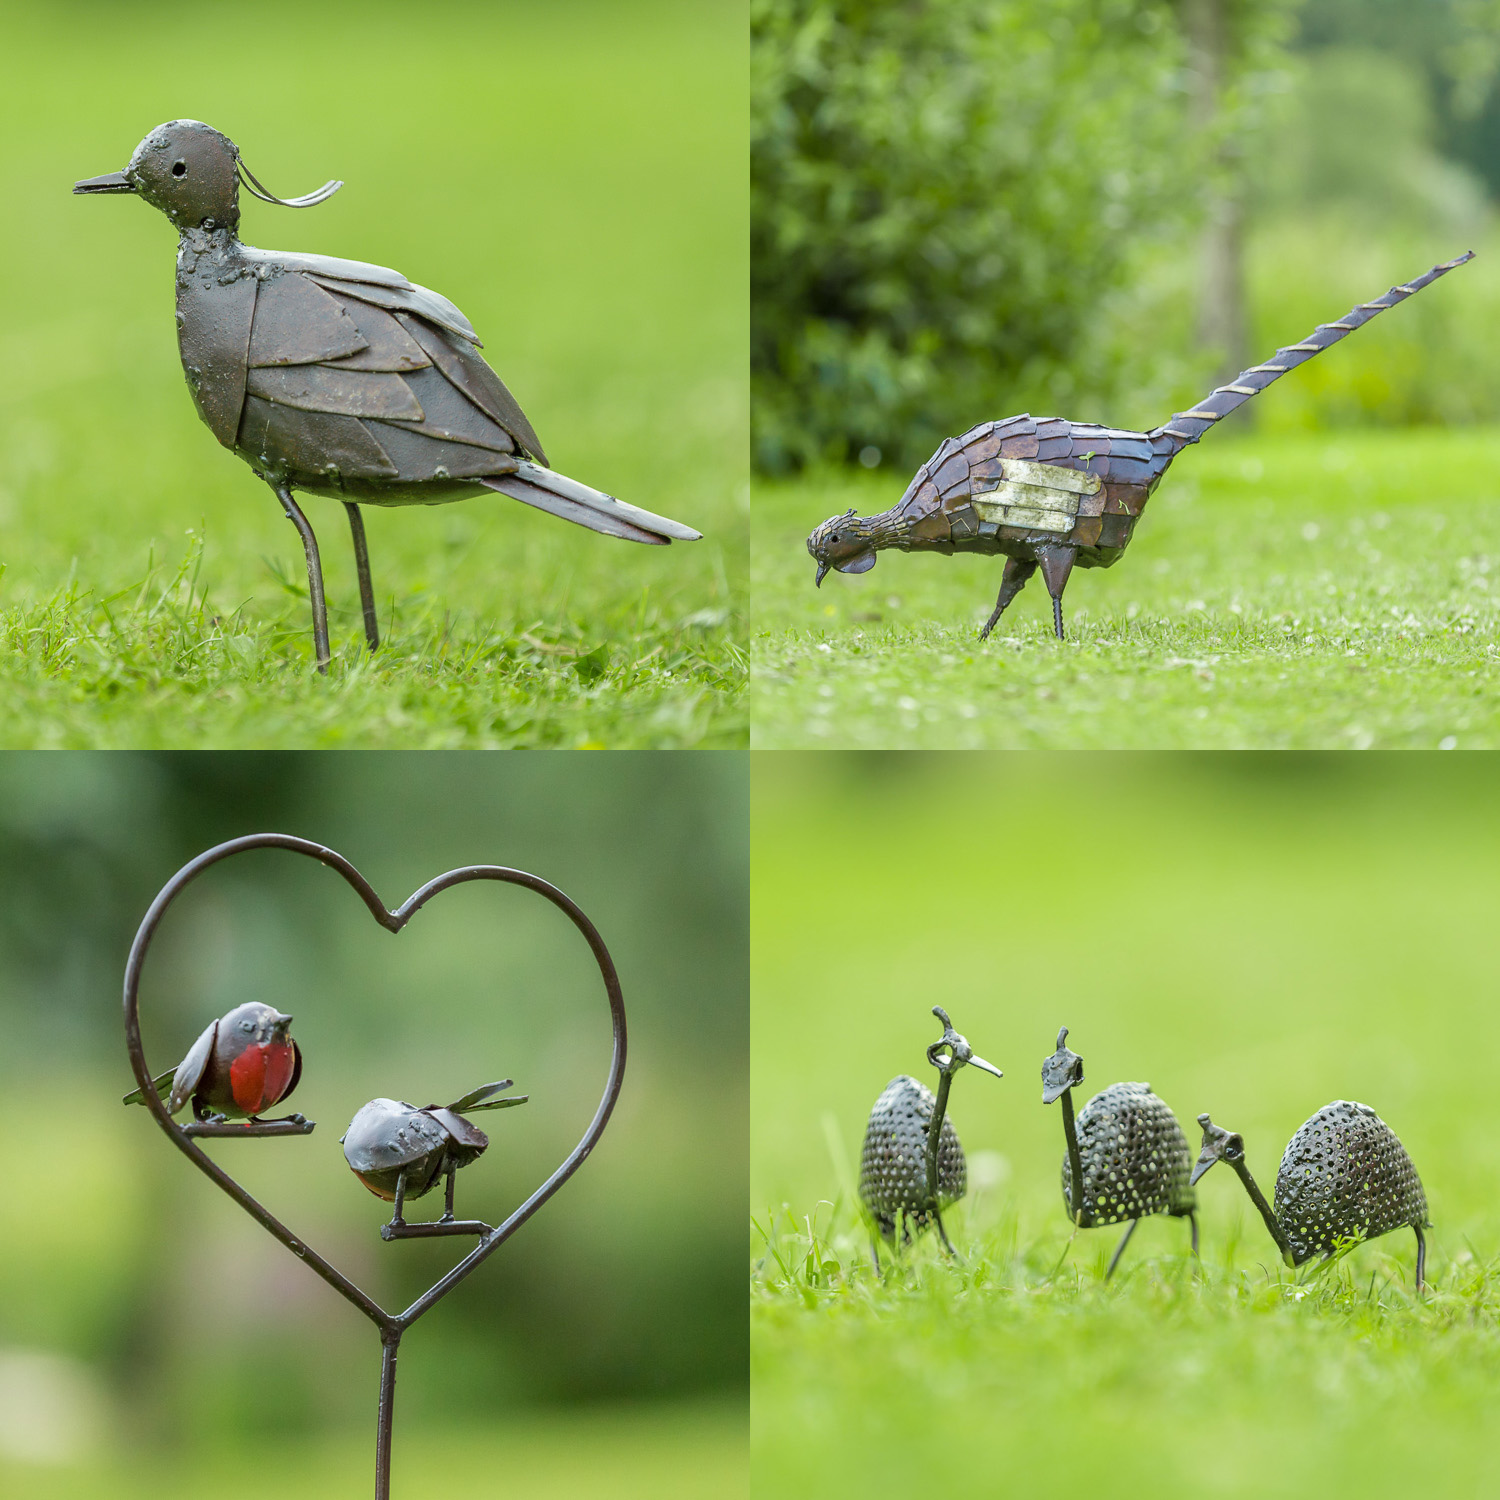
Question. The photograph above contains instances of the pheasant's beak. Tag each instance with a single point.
(822, 574)
(111, 182)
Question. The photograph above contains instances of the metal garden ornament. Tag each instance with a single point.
(912, 1164)
(246, 1062)
(1052, 494)
(1127, 1157)
(1344, 1177)
(340, 378)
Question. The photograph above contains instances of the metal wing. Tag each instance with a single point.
(162, 1084)
(190, 1070)
(296, 1073)
(477, 1099)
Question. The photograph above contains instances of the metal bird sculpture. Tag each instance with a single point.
(242, 1065)
(399, 1151)
(1344, 1176)
(1054, 494)
(336, 377)
(912, 1163)
(1127, 1157)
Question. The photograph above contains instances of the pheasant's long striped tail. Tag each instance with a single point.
(1188, 426)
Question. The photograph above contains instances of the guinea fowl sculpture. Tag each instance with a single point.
(912, 1163)
(1054, 494)
(336, 377)
(1127, 1157)
(1344, 1176)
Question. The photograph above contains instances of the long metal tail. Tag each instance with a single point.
(1188, 426)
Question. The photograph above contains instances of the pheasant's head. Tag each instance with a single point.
(843, 542)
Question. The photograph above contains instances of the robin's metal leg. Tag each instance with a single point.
(314, 574)
(1421, 1253)
(1012, 581)
(362, 564)
(1056, 564)
(1114, 1260)
(448, 1201)
(396, 1218)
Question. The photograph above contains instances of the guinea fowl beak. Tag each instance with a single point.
(111, 182)
(1204, 1162)
(822, 574)
(979, 1062)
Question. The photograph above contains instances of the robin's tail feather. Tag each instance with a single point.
(1188, 426)
(162, 1085)
(560, 496)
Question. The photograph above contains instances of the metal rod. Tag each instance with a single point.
(1114, 1260)
(390, 1344)
(934, 1136)
(314, 575)
(362, 566)
(1075, 1159)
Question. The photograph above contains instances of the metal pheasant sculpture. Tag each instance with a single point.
(1054, 494)
(336, 377)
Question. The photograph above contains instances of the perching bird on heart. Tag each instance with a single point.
(1051, 493)
(242, 1065)
(336, 377)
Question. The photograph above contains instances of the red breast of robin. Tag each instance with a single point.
(259, 1076)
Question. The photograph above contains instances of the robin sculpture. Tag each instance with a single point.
(1054, 494)
(399, 1151)
(1344, 1177)
(242, 1065)
(336, 377)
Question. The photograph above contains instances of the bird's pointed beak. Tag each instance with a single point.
(1202, 1165)
(1052, 1092)
(979, 1062)
(281, 1025)
(822, 574)
(111, 182)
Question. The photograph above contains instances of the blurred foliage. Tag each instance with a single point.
(942, 194)
(123, 1260)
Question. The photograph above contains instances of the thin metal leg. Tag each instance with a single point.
(314, 574)
(1056, 564)
(1421, 1253)
(943, 1235)
(1012, 581)
(875, 1254)
(362, 564)
(400, 1199)
(448, 1205)
(1193, 1220)
(1114, 1260)
(390, 1342)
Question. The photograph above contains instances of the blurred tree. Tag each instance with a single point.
(942, 196)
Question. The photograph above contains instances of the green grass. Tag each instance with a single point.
(1331, 591)
(1253, 935)
(576, 185)
(639, 1453)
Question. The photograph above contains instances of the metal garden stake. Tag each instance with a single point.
(1344, 1176)
(1127, 1157)
(396, 1149)
(912, 1163)
(337, 377)
(1054, 494)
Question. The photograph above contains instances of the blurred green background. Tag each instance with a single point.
(148, 1328)
(571, 174)
(1255, 936)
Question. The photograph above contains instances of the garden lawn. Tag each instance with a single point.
(571, 176)
(1331, 591)
(1253, 935)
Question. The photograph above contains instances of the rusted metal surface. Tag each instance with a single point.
(1344, 1176)
(337, 377)
(981, 492)
(1126, 1156)
(912, 1163)
(462, 1136)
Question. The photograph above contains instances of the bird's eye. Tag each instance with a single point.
(179, 169)
(246, 1026)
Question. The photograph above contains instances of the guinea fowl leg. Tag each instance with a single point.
(362, 564)
(1193, 1220)
(943, 1234)
(1114, 1259)
(1057, 564)
(1421, 1253)
(1012, 581)
(314, 573)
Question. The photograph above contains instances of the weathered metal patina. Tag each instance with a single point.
(391, 1325)
(399, 1151)
(1344, 1176)
(1052, 494)
(912, 1163)
(1127, 1157)
(337, 377)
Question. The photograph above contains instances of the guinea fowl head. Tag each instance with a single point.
(954, 1052)
(1218, 1145)
(192, 173)
(841, 542)
(1062, 1071)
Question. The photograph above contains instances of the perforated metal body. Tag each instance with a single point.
(1345, 1175)
(893, 1166)
(1135, 1158)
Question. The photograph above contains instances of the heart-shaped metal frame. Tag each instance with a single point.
(391, 1325)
